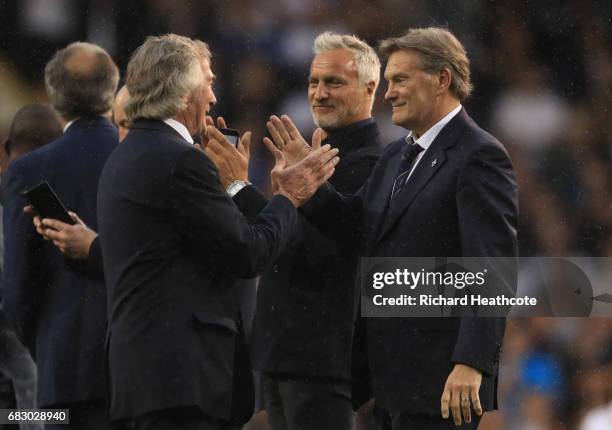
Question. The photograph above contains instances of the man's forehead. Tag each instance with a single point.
(402, 60)
(340, 59)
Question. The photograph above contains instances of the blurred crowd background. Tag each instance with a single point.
(542, 73)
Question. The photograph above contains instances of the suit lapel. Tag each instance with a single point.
(432, 161)
(381, 198)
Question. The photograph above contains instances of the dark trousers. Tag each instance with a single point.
(90, 415)
(307, 404)
(408, 421)
(183, 418)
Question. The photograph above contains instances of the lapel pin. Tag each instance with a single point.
(433, 163)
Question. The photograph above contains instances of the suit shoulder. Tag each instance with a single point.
(477, 140)
(33, 157)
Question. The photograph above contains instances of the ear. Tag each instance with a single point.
(444, 80)
(371, 88)
(187, 98)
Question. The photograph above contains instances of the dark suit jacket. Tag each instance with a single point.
(304, 318)
(60, 315)
(463, 204)
(173, 244)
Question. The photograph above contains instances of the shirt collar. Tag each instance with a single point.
(345, 138)
(429, 136)
(180, 129)
(69, 123)
(351, 127)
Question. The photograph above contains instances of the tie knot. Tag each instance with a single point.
(412, 149)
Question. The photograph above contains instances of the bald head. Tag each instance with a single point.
(119, 117)
(81, 80)
(33, 126)
(83, 58)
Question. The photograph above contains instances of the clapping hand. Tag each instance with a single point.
(287, 138)
(231, 162)
(299, 181)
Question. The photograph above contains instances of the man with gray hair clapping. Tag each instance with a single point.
(173, 243)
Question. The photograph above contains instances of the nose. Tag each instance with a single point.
(390, 94)
(213, 100)
(320, 92)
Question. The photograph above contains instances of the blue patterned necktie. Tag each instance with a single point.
(409, 154)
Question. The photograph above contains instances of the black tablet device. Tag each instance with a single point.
(46, 203)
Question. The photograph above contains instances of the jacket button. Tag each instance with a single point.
(275, 268)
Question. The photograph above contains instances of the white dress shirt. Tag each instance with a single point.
(180, 129)
(429, 136)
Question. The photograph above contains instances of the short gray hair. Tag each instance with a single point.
(81, 79)
(438, 49)
(162, 71)
(366, 60)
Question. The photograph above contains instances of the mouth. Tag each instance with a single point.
(322, 107)
(398, 105)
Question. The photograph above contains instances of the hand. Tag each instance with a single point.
(300, 181)
(288, 139)
(461, 393)
(72, 240)
(232, 163)
(36, 220)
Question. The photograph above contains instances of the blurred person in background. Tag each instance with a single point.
(118, 116)
(77, 241)
(306, 303)
(59, 314)
(33, 127)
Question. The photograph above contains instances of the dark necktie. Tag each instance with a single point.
(409, 154)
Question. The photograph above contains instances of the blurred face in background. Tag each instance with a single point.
(335, 94)
(119, 117)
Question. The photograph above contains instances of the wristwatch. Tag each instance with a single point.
(233, 188)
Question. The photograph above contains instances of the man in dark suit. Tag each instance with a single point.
(61, 315)
(173, 243)
(447, 189)
(303, 325)
(78, 241)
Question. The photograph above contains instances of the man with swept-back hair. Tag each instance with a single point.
(60, 314)
(303, 327)
(173, 244)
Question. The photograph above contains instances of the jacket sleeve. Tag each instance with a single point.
(251, 201)
(25, 270)
(336, 215)
(487, 202)
(211, 221)
(92, 267)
